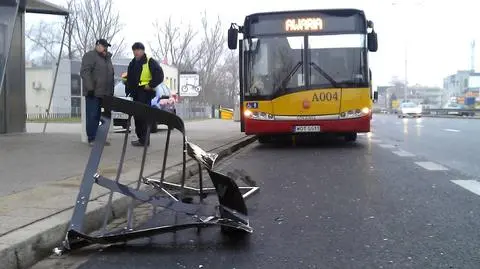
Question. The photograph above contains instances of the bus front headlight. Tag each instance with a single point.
(365, 110)
(258, 115)
(355, 113)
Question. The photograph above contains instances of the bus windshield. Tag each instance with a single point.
(279, 65)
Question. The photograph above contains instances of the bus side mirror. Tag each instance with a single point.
(372, 41)
(232, 38)
(375, 97)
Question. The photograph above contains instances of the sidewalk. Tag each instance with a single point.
(40, 176)
(32, 159)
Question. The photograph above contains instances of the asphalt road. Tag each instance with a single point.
(451, 142)
(373, 204)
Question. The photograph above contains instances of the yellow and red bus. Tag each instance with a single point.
(305, 72)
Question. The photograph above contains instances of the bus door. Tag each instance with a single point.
(242, 83)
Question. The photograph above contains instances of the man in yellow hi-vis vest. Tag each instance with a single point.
(143, 76)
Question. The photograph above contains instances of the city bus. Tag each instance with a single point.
(305, 71)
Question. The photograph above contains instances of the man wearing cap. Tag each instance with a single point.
(98, 81)
(143, 76)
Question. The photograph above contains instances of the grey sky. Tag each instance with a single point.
(437, 34)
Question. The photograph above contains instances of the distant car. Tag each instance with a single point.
(454, 109)
(409, 109)
(166, 102)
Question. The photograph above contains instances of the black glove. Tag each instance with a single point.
(90, 93)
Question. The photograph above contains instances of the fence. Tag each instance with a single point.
(52, 116)
(194, 111)
(186, 111)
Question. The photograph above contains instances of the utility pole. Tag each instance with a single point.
(472, 57)
(406, 72)
(419, 3)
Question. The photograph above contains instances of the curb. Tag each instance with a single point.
(50, 232)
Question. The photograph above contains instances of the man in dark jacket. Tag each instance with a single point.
(98, 81)
(143, 76)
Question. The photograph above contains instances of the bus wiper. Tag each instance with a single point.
(324, 74)
(290, 74)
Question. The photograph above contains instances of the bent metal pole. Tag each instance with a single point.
(56, 73)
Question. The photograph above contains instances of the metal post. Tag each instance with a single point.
(184, 165)
(164, 165)
(56, 73)
(117, 178)
(140, 176)
(406, 70)
(83, 111)
(200, 183)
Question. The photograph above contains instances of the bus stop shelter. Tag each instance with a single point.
(12, 59)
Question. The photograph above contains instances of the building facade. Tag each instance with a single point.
(392, 96)
(456, 84)
(461, 85)
(38, 88)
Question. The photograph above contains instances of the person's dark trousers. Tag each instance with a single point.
(93, 113)
(145, 97)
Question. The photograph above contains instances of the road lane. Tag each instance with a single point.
(451, 142)
(327, 206)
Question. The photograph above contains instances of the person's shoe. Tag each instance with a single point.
(91, 143)
(138, 143)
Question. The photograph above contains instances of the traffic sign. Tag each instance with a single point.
(190, 85)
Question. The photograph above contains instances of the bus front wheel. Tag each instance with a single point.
(351, 137)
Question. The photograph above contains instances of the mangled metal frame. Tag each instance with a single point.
(232, 211)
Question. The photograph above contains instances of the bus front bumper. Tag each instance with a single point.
(271, 127)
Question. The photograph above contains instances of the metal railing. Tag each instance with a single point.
(435, 112)
(184, 111)
(451, 112)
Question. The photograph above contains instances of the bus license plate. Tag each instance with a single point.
(307, 129)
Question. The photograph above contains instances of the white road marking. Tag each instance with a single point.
(432, 166)
(419, 125)
(452, 130)
(387, 146)
(403, 153)
(471, 185)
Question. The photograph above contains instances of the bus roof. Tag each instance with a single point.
(333, 11)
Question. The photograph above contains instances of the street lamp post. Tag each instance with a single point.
(406, 72)
(395, 3)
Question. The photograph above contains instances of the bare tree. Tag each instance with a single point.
(97, 19)
(175, 45)
(213, 44)
(229, 79)
(89, 20)
(45, 38)
(201, 51)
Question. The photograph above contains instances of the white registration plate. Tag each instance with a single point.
(307, 129)
(119, 115)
